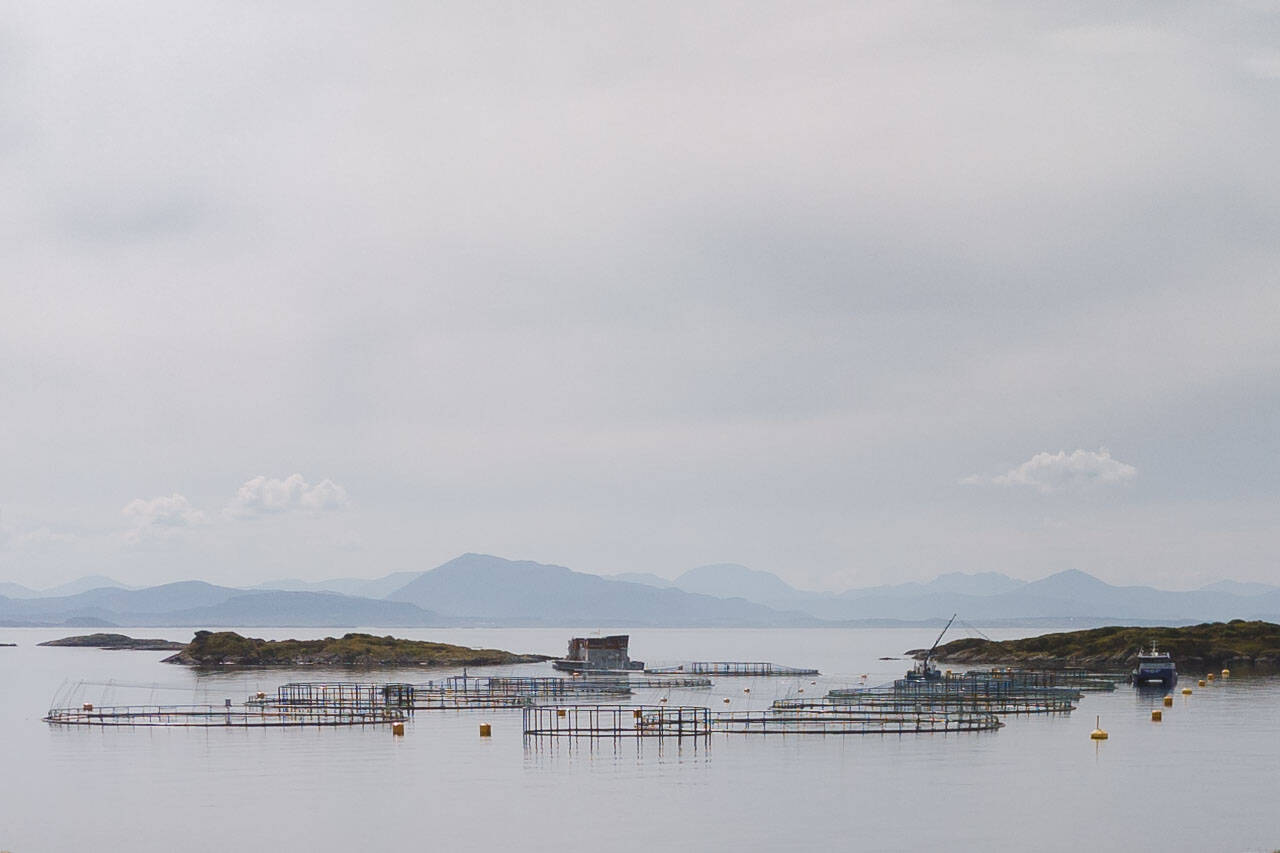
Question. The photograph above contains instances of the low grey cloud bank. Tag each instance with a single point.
(721, 283)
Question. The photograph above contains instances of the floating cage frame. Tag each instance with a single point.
(616, 721)
(942, 702)
(731, 668)
(667, 682)
(831, 721)
(340, 695)
(527, 686)
(226, 716)
(1074, 679)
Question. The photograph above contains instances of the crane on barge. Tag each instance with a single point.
(922, 671)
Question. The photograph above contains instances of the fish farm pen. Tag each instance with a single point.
(983, 688)
(665, 682)
(1088, 682)
(213, 716)
(338, 695)
(734, 668)
(455, 693)
(889, 700)
(527, 686)
(616, 721)
(834, 720)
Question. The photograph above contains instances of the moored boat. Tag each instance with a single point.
(1154, 668)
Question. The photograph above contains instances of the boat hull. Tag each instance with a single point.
(1166, 679)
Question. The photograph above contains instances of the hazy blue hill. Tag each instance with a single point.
(980, 583)
(730, 580)
(111, 606)
(13, 590)
(198, 604)
(180, 595)
(1237, 588)
(491, 588)
(646, 578)
(1070, 594)
(364, 587)
(273, 607)
(84, 584)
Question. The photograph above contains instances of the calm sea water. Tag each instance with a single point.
(1207, 778)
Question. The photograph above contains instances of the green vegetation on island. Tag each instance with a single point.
(115, 641)
(1237, 645)
(227, 648)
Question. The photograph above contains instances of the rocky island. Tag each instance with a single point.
(227, 648)
(115, 641)
(1247, 647)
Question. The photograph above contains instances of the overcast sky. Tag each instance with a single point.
(850, 292)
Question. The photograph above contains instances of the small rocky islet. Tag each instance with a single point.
(1239, 645)
(114, 642)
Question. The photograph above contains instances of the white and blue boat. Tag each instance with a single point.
(1154, 668)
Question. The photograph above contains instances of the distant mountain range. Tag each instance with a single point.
(992, 597)
(477, 589)
(13, 590)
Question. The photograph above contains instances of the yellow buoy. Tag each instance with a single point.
(1201, 683)
(486, 730)
(1098, 733)
(1157, 716)
(1211, 676)
(397, 728)
(1186, 691)
(1168, 701)
(1226, 673)
(559, 712)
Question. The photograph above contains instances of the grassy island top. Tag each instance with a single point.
(227, 648)
(1247, 646)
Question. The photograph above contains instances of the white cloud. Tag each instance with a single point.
(160, 515)
(268, 496)
(1061, 472)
